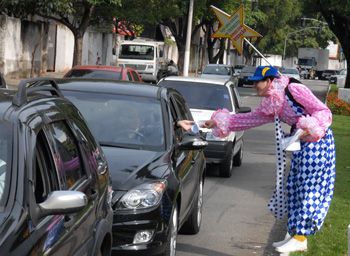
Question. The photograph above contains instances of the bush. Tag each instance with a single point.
(336, 105)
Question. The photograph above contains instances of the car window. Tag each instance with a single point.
(5, 162)
(99, 74)
(129, 76)
(135, 76)
(66, 154)
(182, 110)
(94, 154)
(44, 174)
(202, 95)
(248, 69)
(128, 121)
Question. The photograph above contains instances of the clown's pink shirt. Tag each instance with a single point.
(316, 122)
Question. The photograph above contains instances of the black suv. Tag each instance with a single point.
(157, 169)
(54, 179)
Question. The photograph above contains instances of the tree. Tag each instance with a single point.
(337, 15)
(75, 14)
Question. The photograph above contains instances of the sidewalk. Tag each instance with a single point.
(12, 83)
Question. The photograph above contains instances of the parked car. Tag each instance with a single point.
(326, 74)
(204, 96)
(157, 169)
(237, 69)
(104, 72)
(291, 72)
(339, 78)
(218, 71)
(54, 179)
(246, 72)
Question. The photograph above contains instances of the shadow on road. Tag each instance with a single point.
(188, 248)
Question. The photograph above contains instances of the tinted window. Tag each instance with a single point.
(45, 175)
(5, 162)
(67, 157)
(202, 95)
(121, 120)
(103, 74)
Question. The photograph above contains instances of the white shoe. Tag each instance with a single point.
(279, 243)
(293, 245)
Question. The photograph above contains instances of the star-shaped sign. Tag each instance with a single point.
(233, 27)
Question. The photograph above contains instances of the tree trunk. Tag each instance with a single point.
(78, 49)
(181, 59)
(340, 25)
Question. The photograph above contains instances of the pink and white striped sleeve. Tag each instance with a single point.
(319, 116)
(227, 122)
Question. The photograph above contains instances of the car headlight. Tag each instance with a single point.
(210, 137)
(144, 196)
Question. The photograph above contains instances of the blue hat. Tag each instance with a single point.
(262, 72)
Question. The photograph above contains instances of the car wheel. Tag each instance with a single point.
(227, 165)
(172, 236)
(193, 223)
(237, 159)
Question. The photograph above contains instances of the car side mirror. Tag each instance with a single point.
(161, 54)
(114, 51)
(244, 110)
(192, 142)
(62, 202)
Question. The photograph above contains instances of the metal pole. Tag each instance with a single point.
(285, 45)
(188, 39)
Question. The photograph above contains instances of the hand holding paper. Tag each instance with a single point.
(292, 143)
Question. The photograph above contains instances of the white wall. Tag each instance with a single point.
(64, 49)
(275, 60)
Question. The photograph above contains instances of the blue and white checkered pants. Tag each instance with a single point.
(310, 185)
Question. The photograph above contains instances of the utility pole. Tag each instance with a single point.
(188, 39)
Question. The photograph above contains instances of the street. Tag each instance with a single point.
(236, 220)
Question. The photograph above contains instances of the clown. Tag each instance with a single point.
(308, 190)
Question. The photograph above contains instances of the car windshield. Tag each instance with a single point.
(121, 120)
(5, 162)
(133, 51)
(217, 70)
(202, 95)
(88, 73)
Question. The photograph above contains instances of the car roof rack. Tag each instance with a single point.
(28, 86)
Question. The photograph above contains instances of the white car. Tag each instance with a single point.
(204, 96)
(339, 79)
(291, 72)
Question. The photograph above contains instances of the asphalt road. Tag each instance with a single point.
(236, 220)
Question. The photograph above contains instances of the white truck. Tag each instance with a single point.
(143, 55)
(312, 62)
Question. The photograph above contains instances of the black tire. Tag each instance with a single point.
(170, 249)
(238, 158)
(194, 221)
(226, 166)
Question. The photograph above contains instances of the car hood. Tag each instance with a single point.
(132, 167)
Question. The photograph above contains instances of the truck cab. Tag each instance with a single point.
(143, 55)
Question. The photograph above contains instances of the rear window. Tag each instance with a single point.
(202, 95)
(217, 70)
(98, 74)
(5, 162)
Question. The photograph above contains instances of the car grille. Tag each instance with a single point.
(136, 66)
